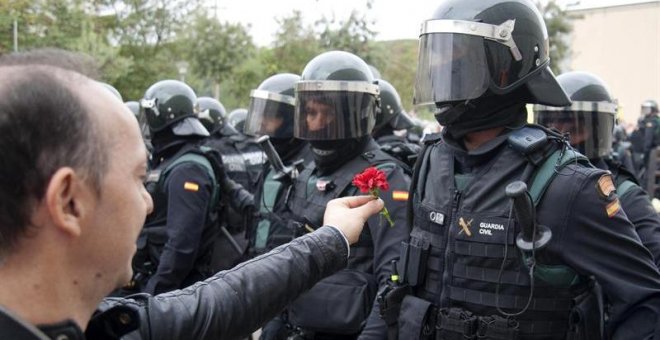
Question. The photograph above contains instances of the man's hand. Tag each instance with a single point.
(349, 214)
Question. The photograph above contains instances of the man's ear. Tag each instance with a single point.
(67, 200)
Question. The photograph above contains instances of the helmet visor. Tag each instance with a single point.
(334, 110)
(590, 125)
(270, 114)
(450, 67)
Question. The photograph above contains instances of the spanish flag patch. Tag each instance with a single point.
(190, 186)
(399, 195)
(613, 207)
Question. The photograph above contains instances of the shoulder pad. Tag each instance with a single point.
(528, 139)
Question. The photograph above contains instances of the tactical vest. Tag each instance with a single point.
(271, 227)
(340, 303)
(153, 235)
(237, 168)
(462, 261)
(399, 148)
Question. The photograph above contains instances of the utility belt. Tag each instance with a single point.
(459, 324)
(411, 317)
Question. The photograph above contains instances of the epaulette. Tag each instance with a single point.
(432, 138)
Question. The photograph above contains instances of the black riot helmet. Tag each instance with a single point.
(272, 106)
(391, 110)
(476, 55)
(237, 118)
(211, 113)
(171, 103)
(649, 107)
(336, 98)
(589, 121)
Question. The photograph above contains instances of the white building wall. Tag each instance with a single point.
(621, 44)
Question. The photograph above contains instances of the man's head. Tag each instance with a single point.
(211, 113)
(589, 121)
(236, 119)
(649, 108)
(272, 106)
(71, 192)
(481, 61)
(337, 100)
(171, 105)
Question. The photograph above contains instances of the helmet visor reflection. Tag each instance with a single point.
(270, 117)
(591, 132)
(450, 67)
(332, 115)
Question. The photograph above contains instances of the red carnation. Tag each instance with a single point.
(372, 181)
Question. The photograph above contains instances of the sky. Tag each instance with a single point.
(393, 19)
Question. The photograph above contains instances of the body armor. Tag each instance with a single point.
(463, 265)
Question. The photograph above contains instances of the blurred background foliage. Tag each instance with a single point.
(138, 42)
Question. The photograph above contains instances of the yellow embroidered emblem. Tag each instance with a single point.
(465, 226)
(190, 186)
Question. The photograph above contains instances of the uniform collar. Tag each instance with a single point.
(466, 160)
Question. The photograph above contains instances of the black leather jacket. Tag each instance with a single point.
(229, 305)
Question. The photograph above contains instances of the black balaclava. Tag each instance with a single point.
(287, 148)
(329, 155)
(486, 112)
(166, 144)
(385, 130)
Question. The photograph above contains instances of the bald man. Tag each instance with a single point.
(72, 203)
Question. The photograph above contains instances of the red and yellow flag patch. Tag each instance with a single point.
(399, 195)
(191, 186)
(613, 207)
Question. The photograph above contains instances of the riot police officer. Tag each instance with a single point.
(174, 247)
(272, 105)
(336, 104)
(650, 128)
(589, 121)
(230, 247)
(478, 265)
(392, 117)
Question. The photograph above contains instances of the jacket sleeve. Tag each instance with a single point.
(235, 302)
(188, 193)
(599, 241)
(637, 206)
(387, 244)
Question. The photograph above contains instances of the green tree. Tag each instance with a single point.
(215, 49)
(354, 34)
(295, 44)
(560, 25)
(145, 31)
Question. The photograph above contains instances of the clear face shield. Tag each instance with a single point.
(590, 125)
(453, 63)
(270, 114)
(333, 110)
